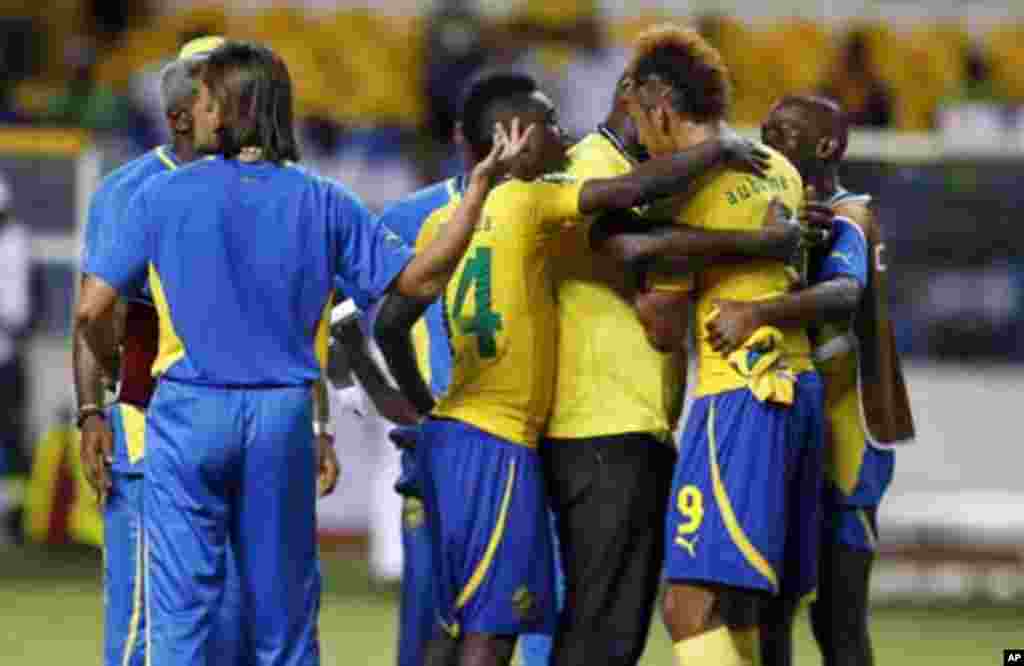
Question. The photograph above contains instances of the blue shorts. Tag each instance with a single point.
(123, 587)
(745, 509)
(417, 616)
(231, 468)
(851, 520)
(491, 532)
(124, 583)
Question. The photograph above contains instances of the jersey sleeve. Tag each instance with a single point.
(95, 223)
(123, 244)
(848, 256)
(556, 199)
(370, 255)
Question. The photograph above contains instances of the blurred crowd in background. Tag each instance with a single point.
(380, 84)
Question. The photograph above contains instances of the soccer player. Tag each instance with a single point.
(607, 451)
(416, 219)
(867, 407)
(493, 552)
(241, 252)
(744, 509)
(112, 442)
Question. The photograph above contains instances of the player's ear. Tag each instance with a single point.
(826, 148)
(180, 121)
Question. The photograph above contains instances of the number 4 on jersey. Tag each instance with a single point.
(485, 322)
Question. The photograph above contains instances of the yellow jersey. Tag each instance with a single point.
(500, 310)
(736, 201)
(600, 388)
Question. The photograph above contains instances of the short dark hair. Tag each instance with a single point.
(687, 63)
(480, 99)
(254, 88)
(825, 115)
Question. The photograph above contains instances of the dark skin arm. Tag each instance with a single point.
(92, 373)
(428, 272)
(666, 176)
(327, 458)
(679, 249)
(390, 402)
(834, 300)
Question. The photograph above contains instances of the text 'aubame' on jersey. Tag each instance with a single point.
(242, 259)
(501, 312)
(601, 388)
(729, 200)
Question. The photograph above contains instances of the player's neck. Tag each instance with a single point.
(250, 154)
(184, 149)
(825, 182)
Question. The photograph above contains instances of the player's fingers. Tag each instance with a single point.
(107, 446)
(521, 144)
(89, 463)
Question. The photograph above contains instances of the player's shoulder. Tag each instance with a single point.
(593, 143)
(128, 177)
(856, 207)
(596, 156)
(422, 202)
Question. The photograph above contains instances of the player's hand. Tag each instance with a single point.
(780, 232)
(508, 145)
(327, 465)
(742, 154)
(97, 452)
(816, 218)
(732, 325)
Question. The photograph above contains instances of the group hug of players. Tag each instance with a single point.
(536, 342)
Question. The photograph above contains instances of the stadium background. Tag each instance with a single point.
(940, 85)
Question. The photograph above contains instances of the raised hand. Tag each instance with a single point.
(742, 154)
(508, 146)
(816, 219)
(780, 230)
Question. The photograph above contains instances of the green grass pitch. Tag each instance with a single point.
(52, 614)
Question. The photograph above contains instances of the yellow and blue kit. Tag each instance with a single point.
(745, 507)
(493, 553)
(858, 471)
(123, 542)
(415, 219)
(241, 260)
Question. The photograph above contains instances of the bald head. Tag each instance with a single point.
(817, 126)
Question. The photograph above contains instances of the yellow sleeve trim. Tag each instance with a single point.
(739, 537)
(484, 566)
(133, 420)
(166, 159)
(322, 340)
(868, 532)
(170, 348)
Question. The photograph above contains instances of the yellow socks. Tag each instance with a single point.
(747, 644)
(713, 648)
